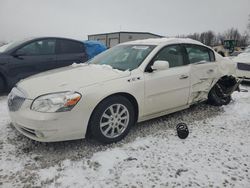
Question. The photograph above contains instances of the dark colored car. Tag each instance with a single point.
(21, 59)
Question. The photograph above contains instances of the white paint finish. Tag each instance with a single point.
(165, 89)
(202, 78)
(69, 78)
(242, 58)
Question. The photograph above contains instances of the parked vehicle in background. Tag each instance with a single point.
(130, 82)
(235, 53)
(24, 58)
(243, 64)
(228, 49)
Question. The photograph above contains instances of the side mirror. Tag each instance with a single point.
(160, 65)
(19, 53)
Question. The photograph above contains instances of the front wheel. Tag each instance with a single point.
(216, 98)
(112, 119)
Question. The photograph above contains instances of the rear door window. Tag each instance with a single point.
(198, 53)
(70, 47)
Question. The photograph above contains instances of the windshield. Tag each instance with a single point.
(11, 45)
(124, 57)
(5, 47)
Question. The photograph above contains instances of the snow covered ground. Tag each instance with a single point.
(216, 153)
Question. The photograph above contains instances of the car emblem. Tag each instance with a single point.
(134, 79)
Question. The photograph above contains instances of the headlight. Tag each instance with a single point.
(56, 102)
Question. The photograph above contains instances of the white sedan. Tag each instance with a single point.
(129, 83)
(243, 64)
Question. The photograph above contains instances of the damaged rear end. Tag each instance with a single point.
(215, 81)
(220, 94)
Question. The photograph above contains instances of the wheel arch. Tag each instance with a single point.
(220, 93)
(227, 80)
(128, 96)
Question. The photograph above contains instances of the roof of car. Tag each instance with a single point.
(164, 41)
(52, 37)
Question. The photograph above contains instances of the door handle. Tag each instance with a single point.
(183, 76)
(210, 71)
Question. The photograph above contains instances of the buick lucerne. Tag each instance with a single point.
(129, 83)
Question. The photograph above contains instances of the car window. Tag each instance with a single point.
(70, 47)
(198, 53)
(172, 54)
(124, 57)
(41, 47)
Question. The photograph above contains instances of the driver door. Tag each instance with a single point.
(167, 89)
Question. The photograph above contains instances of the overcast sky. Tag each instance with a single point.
(78, 18)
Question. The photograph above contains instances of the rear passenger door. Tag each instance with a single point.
(203, 70)
(69, 52)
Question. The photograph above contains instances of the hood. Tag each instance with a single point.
(69, 78)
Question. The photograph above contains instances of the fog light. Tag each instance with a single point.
(39, 134)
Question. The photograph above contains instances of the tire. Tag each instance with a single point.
(216, 99)
(2, 85)
(107, 128)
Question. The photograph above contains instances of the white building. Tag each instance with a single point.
(112, 39)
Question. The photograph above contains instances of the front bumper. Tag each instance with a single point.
(50, 127)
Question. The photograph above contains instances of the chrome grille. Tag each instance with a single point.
(15, 100)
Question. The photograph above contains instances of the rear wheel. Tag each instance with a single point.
(112, 119)
(2, 85)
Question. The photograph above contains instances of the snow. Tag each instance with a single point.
(98, 66)
(79, 64)
(107, 67)
(242, 58)
(216, 153)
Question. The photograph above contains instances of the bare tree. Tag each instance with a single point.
(207, 37)
(232, 34)
(219, 38)
(195, 36)
(243, 41)
(211, 39)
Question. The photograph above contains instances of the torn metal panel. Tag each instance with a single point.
(204, 75)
